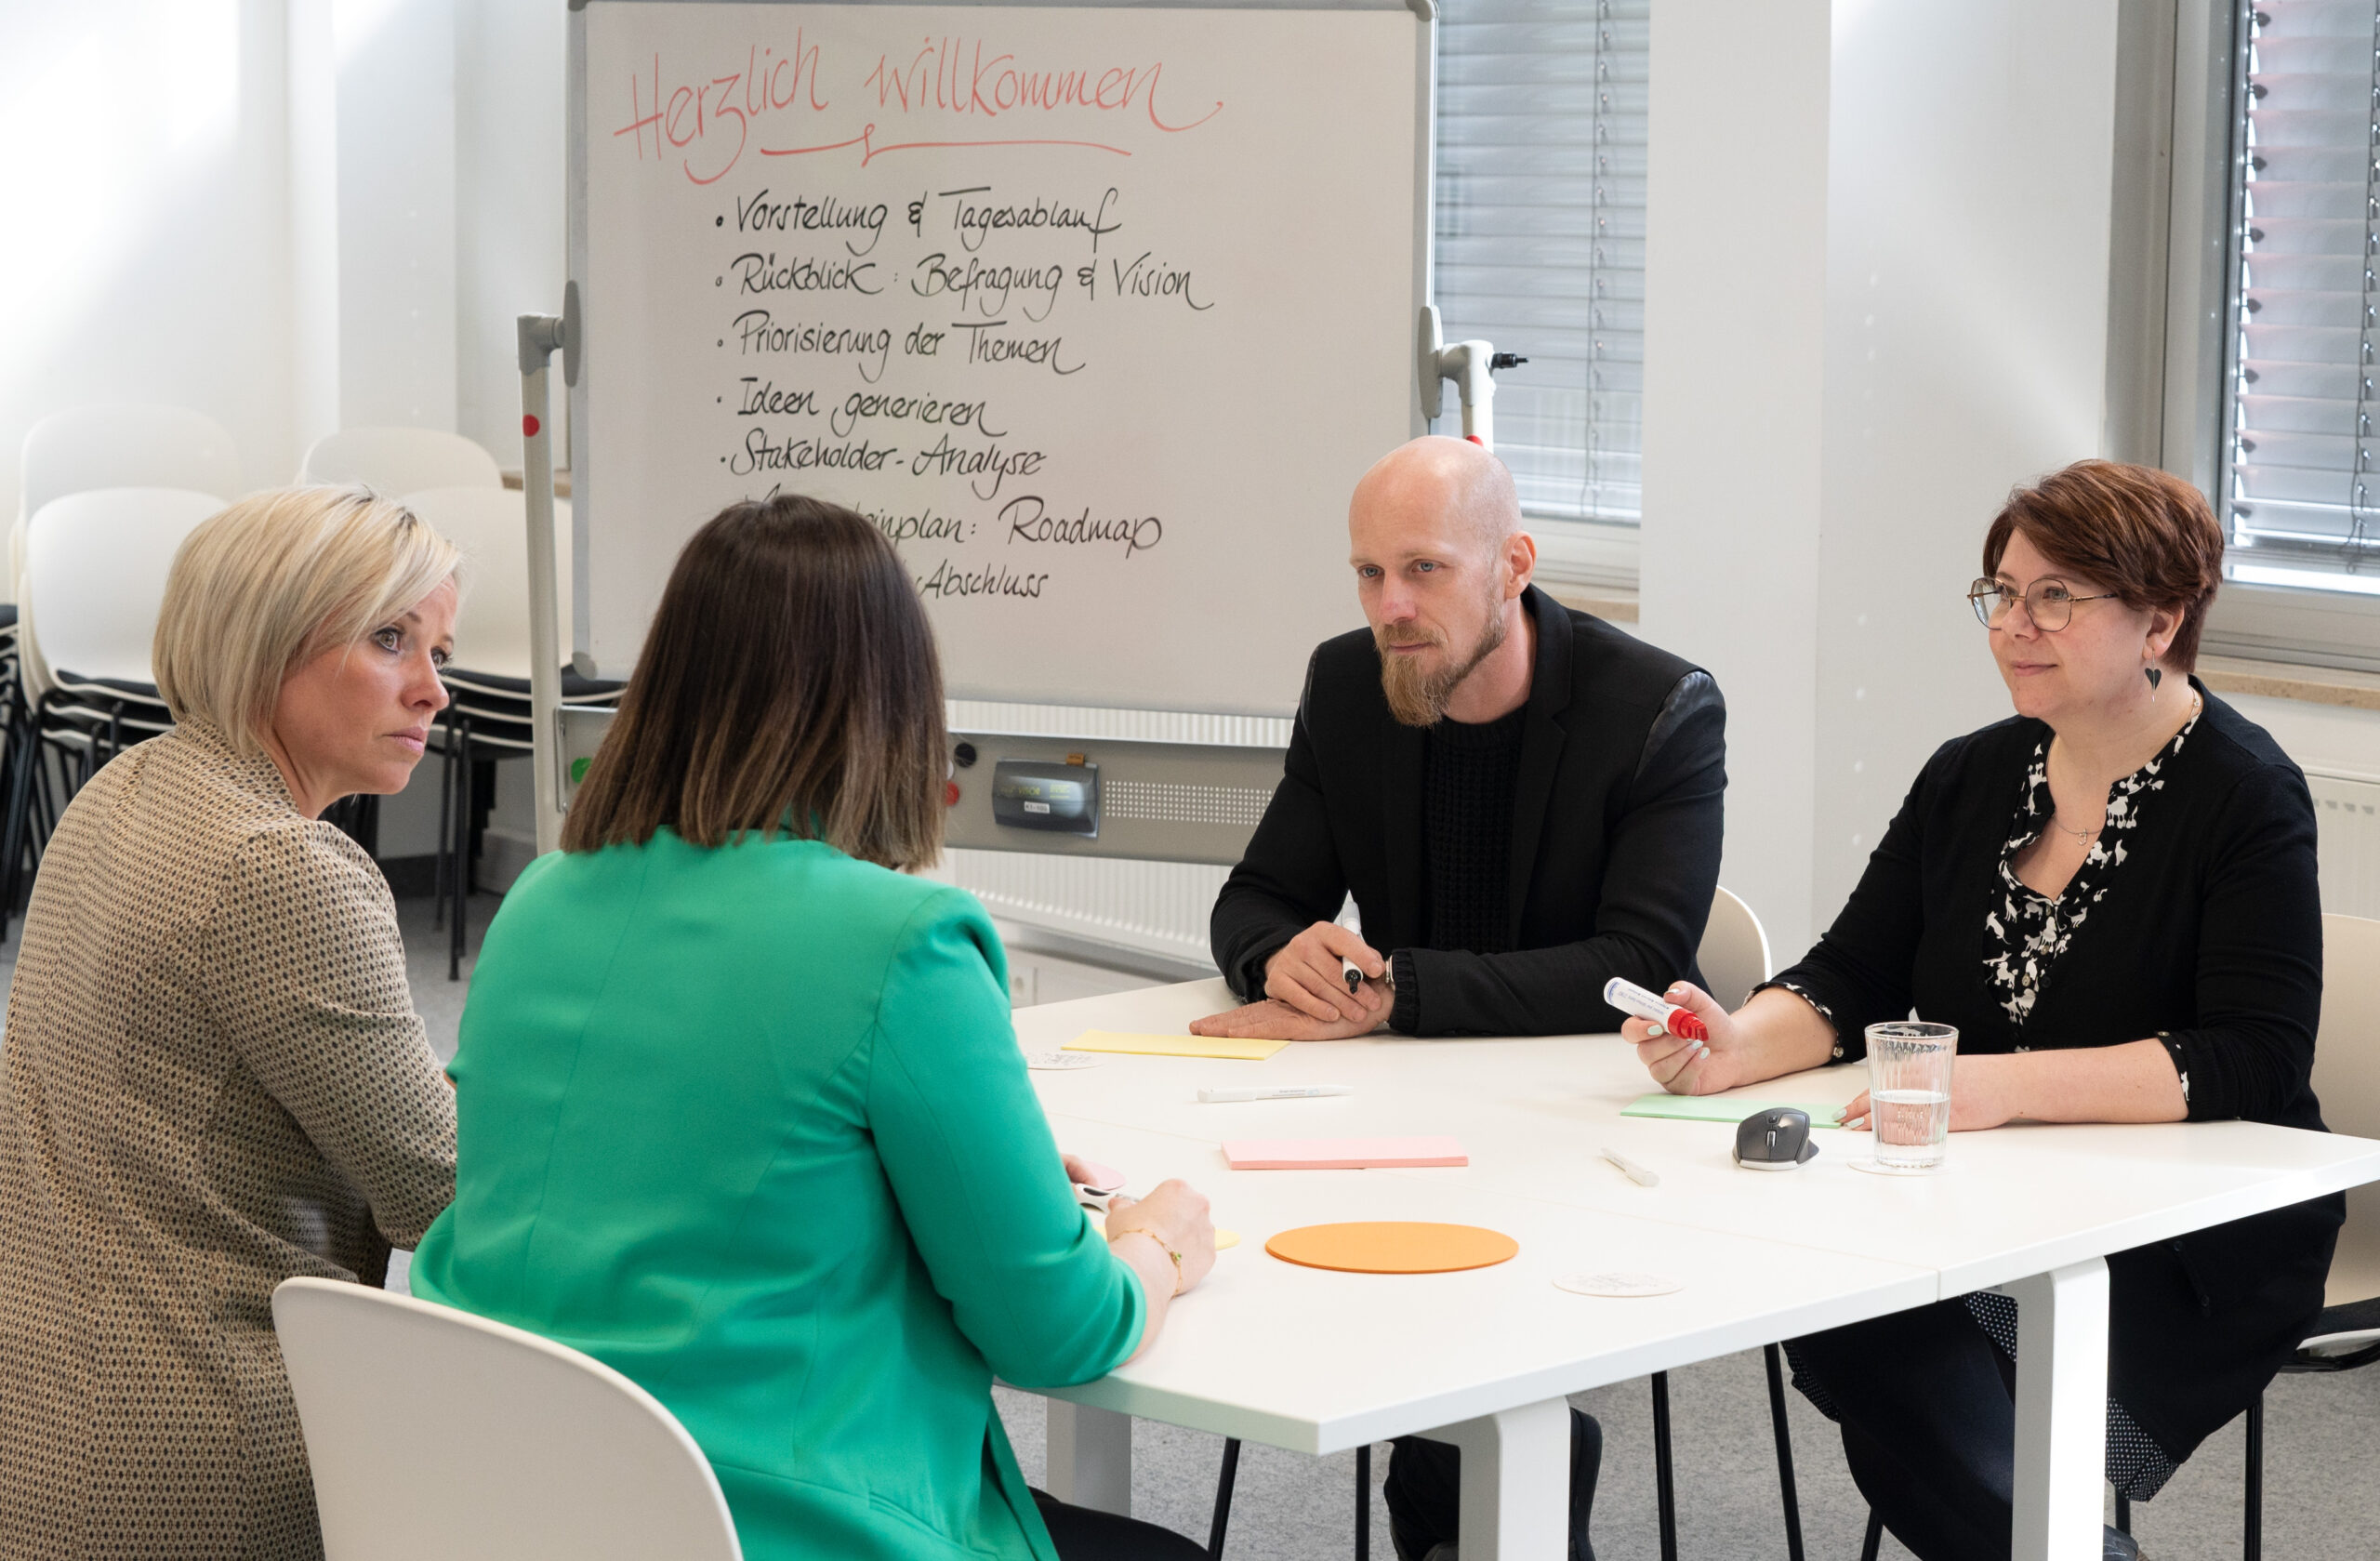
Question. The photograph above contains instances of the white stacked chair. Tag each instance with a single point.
(488, 679)
(434, 1433)
(96, 563)
(400, 460)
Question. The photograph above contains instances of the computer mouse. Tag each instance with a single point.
(1777, 1139)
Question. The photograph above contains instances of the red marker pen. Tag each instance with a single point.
(1629, 997)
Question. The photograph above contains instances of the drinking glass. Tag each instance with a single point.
(1909, 1092)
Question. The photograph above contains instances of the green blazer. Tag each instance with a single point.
(750, 1126)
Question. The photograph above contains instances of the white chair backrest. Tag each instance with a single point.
(127, 447)
(400, 460)
(435, 1432)
(1734, 955)
(492, 527)
(2346, 1079)
(94, 577)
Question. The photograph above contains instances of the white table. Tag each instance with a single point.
(1316, 1361)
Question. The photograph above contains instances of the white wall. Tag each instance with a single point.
(1735, 283)
(290, 214)
(1831, 418)
(147, 255)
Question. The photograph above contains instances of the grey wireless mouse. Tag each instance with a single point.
(1777, 1139)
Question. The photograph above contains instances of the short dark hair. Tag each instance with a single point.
(2144, 534)
(788, 685)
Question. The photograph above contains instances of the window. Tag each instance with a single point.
(1541, 235)
(2301, 460)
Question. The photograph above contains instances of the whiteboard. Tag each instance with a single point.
(1097, 311)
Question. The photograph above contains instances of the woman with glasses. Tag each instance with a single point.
(2111, 895)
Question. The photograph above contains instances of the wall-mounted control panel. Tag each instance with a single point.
(1035, 794)
(1091, 797)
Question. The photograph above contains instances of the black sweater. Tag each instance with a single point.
(1614, 845)
(2211, 931)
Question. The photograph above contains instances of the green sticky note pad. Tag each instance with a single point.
(1726, 1108)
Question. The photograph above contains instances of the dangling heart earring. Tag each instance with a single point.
(2156, 676)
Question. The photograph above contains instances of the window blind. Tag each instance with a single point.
(1541, 234)
(2302, 483)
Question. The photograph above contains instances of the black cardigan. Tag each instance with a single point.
(1615, 834)
(2210, 933)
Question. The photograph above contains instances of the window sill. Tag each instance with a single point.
(1609, 605)
(2283, 679)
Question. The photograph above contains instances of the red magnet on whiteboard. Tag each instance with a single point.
(1472, 437)
(528, 426)
(950, 794)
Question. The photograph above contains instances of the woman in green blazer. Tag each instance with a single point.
(741, 1113)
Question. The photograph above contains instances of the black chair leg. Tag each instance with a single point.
(445, 824)
(459, 880)
(28, 759)
(2252, 1545)
(1222, 1497)
(1664, 1474)
(1876, 1539)
(1364, 1502)
(1784, 1453)
(2123, 1513)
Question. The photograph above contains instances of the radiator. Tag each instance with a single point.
(1153, 907)
(2346, 810)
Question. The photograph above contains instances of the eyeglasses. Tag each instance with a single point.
(2050, 603)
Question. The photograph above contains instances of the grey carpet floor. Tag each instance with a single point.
(2321, 1442)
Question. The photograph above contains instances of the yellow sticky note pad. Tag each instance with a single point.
(1176, 1046)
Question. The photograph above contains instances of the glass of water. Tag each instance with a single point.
(1909, 1092)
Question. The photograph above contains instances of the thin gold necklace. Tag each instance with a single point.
(2083, 836)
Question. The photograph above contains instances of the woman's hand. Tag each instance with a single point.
(1175, 1216)
(1690, 1067)
(1983, 1094)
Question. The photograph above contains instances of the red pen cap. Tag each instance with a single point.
(1681, 1023)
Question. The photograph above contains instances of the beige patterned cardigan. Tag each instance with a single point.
(212, 1079)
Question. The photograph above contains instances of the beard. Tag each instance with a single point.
(1418, 687)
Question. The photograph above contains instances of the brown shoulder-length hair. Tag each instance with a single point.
(788, 685)
(2144, 534)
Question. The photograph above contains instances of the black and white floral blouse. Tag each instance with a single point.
(2029, 929)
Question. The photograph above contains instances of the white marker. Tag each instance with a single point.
(1289, 1091)
(1635, 1172)
(1629, 997)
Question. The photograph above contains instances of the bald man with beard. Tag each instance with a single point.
(1524, 801)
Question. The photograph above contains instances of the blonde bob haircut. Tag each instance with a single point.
(273, 582)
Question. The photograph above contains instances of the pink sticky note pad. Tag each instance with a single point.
(1340, 1154)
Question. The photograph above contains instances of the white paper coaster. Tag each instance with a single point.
(1060, 1061)
(1618, 1285)
(1873, 1169)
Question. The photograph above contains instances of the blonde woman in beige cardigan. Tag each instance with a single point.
(213, 1076)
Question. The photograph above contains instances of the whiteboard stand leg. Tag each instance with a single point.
(540, 335)
(2061, 1412)
(1090, 1457)
(1515, 1502)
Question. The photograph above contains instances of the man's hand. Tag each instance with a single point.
(1307, 976)
(1279, 1021)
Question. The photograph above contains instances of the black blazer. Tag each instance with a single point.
(1615, 834)
(2210, 933)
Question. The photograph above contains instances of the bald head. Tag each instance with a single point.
(1434, 535)
(1447, 485)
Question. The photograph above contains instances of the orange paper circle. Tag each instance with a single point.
(1393, 1247)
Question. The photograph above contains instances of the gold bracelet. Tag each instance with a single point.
(1166, 1249)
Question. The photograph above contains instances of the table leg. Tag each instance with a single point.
(2061, 1412)
(1090, 1457)
(1515, 1483)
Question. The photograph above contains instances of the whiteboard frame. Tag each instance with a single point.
(1425, 144)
